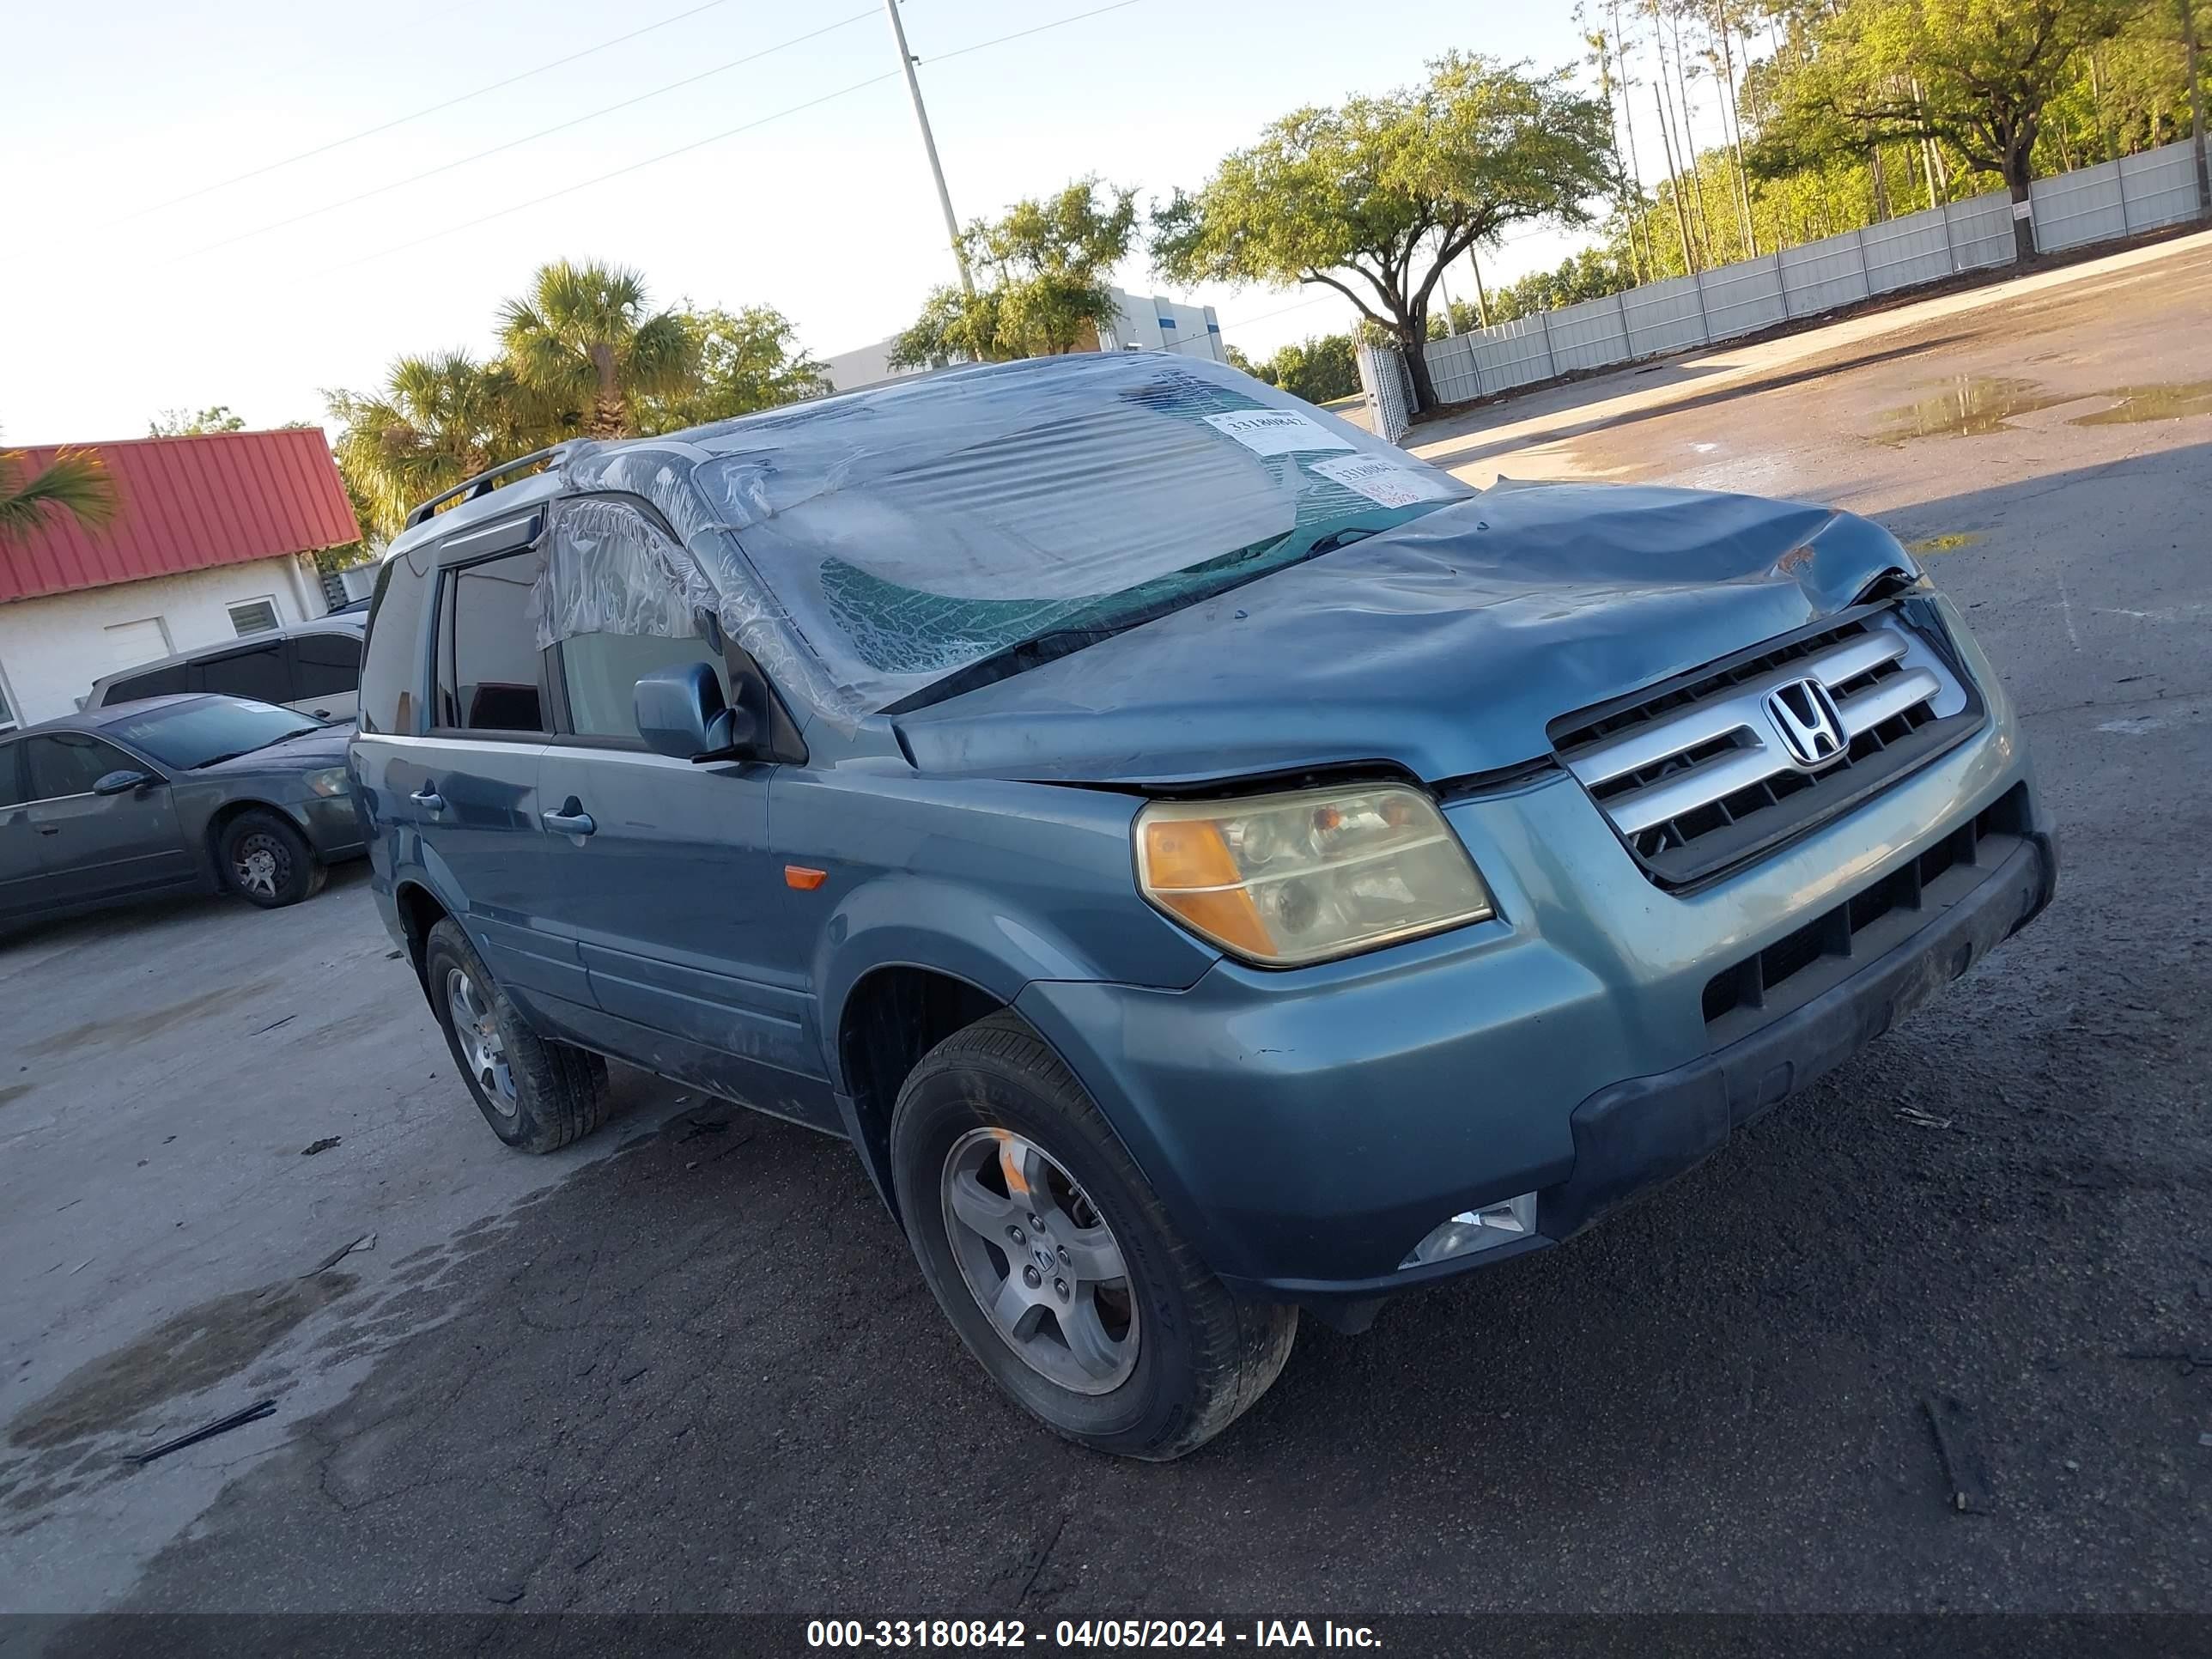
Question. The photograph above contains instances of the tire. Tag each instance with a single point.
(267, 862)
(540, 1095)
(1201, 1357)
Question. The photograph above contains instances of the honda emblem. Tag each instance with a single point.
(1804, 717)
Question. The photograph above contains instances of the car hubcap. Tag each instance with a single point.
(477, 1032)
(1040, 1261)
(262, 865)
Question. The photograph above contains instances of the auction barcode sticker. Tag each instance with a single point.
(1384, 483)
(1276, 431)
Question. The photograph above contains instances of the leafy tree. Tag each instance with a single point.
(1591, 274)
(1044, 267)
(584, 338)
(1244, 364)
(74, 484)
(176, 423)
(1376, 198)
(743, 361)
(438, 420)
(1977, 75)
(583, 357)
(1320, 370)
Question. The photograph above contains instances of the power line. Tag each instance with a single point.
(701, 143)
(601, 178)
(402, 120)
(529, 138)
(1019, 34)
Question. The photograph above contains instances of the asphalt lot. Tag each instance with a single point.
(689, 1366)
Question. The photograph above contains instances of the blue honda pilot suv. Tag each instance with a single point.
(1209, 864)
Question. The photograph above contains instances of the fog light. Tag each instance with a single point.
(1477, 1230)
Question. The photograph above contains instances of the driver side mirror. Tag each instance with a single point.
(681, 713)
(120, 782)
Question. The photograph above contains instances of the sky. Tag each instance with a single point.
(158, 153)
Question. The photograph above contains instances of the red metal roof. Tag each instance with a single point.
(187, 504)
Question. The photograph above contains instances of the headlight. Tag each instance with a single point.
(331, 781)
(1293, 878)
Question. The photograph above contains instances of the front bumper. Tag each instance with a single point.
(1306, 1129)
(333, 826)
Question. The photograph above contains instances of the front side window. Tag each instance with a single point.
(491, 673)
(258, 673)
(601, 671)
(11, 775)
(69, 763)
(612, 593)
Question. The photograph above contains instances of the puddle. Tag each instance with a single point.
(1950, 544)
(195, 1350)
(2172, 402)
(1970, 406)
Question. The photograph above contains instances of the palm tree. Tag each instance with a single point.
(74, 483)
(438, 420)
(583, 338)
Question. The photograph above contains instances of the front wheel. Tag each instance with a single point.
(267, 862)
(1054, 1260)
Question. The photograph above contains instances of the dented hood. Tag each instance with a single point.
(1446, 645)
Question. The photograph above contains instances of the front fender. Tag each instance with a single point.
(952, 927)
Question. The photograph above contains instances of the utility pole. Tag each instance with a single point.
(929, 144)
(2196, 105)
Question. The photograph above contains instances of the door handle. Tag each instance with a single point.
(50, 828)
(429, 798)
(569, 823)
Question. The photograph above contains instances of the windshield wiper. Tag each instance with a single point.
(255, 748)
(1053, 643)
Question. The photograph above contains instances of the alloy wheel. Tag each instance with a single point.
(477, 1032)
(1040, 1261)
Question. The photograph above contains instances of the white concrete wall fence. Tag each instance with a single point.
(52, 648)
(2117, 198)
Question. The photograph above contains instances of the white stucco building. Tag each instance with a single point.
(214, 539)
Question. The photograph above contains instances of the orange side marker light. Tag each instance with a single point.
(803, 877)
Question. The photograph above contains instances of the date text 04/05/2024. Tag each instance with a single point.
(1085, 1633)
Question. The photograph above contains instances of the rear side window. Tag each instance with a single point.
(326, 664)
(490, 670)
(258, 673)
(390, 672)
(11, 775)
(158, 682)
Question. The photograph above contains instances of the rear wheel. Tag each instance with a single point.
(1054, 1260)
(266, 861)
(537, 1095)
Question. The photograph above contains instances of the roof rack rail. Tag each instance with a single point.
(482, 484)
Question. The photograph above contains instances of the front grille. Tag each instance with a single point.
(1802, 964)
(1699, 776)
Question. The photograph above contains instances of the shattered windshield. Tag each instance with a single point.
(908, 531)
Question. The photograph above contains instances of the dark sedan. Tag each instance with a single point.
(172, 794)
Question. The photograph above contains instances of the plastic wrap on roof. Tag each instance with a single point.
(863, 546)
